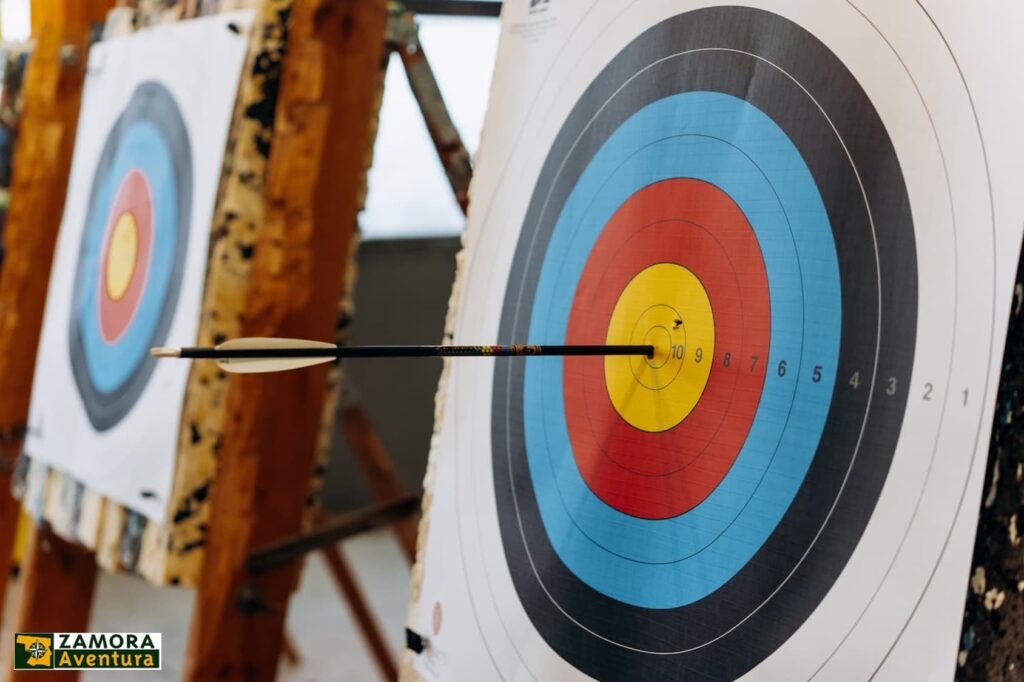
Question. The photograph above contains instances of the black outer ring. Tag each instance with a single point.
(733, 629)
(153, 103)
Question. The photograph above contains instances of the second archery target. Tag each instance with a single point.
(130, 262)
(132, 254)
(777, 199)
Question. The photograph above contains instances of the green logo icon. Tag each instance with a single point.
(33, 650)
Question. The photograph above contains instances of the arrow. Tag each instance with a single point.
(258, 354)
(677, 324)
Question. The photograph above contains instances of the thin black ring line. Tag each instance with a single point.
(645, 360)
(867, 408)
(952, 355)
(991, 348)
(667, 331)
(651, 330)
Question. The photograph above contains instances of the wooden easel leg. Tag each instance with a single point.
(9, 518)
(52, 93)
(290, 651)
(378, 469)
(56, 594)
(450, 150)
(345, 580)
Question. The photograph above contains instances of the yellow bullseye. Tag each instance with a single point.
(666, 306)
(122, 254)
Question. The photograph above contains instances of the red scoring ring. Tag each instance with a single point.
(661, 475)
(133, 196)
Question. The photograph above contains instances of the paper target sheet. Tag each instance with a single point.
(131, 257)
(813, 210)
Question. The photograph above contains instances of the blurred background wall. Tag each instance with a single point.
(401, 297)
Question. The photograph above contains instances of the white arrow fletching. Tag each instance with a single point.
(264, 365)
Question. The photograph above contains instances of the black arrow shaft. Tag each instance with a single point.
(410, 351)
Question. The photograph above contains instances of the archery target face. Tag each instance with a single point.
(131, 257)
(777, 200)
(132, 254)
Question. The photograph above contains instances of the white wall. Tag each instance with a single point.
(409, 195)
(14, 19)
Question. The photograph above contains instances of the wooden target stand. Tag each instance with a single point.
(294, 171)
(313, 110)
(395, 507)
